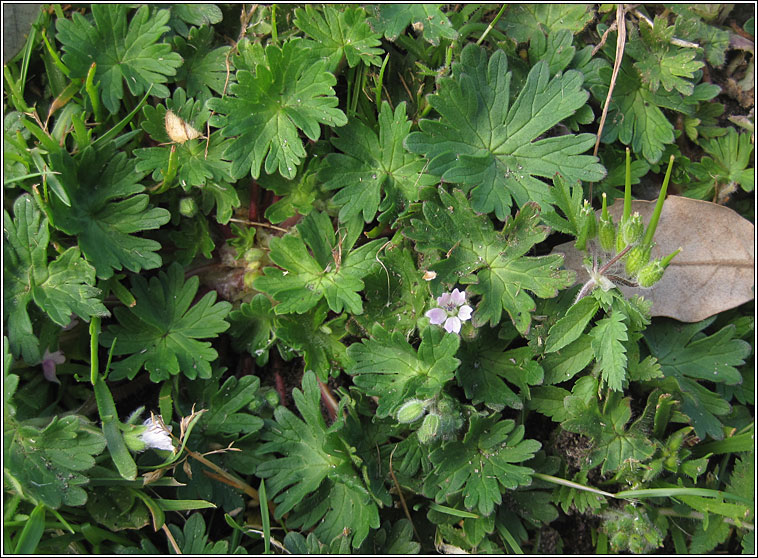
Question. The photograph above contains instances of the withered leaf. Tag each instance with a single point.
(715, 270)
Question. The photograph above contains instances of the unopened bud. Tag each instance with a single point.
(637, 257)
(410, 411)
(586, 226)
(632, 230)
(650, 274)
(429, 428)
(187, 207)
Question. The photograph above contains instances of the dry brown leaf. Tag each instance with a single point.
(715, 270)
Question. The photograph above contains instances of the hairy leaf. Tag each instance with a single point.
(314, 457)
(494, 262)
(278, 92)
(122, 53)
(370, 165)
(388, 367)
(485, 142)
(481, 466)
(334, 271)
(45, 464)
(108, 207)
(339, 34)
(59, 287)
(161, 330)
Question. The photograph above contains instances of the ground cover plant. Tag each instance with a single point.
(379, 279)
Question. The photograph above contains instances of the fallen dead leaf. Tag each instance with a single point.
(715, 270)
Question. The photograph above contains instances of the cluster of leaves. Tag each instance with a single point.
(329, 176)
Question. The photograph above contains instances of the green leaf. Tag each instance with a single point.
(571, 326)
(278, 92)
(339, 34)
(484, 141)
(392, 19)
(315, 457)
(388, 367)
(729, 164)
(607, 337)
(117, 508)
(395, 538)
(471, 246)
(45, 464)
(481, 465)
(522, 22)
(569, 201)
(635, 117)
(334, 271)
(59, 287)
(204, 67)
(548, 400)
(686, 355)
(201, 15)
(485, 368)
(661, 63)
(564, 364)
(395, 296)
(192, 539)
(614, 444)
(371, 164)
(107, 208)
(253, 327)
(161, 331)
(121, 54)
(318, 341)
(224, 404)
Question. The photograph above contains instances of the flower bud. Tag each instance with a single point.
(632, 230)
(187, 207)
(586, 226)
(637, 258)
(650, 274)
(429, 428)
(410, 411)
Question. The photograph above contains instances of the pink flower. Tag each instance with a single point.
(452, 311)
(49, 360)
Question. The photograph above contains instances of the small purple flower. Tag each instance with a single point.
(452, 311)
(49, 360)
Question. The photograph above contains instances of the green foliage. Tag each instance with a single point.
(502, 272)
(161, 331)
(726, 167)
(391, 19)
(481, 466)
(388, 367)
(314, 457)
(131, 54)
(59, 287)
(334, 270)
(339, 35)
(371, 164)
(278, 92)
(687, 355)
(488, 143)
(108, 206)
(371, 190)
(46, 464)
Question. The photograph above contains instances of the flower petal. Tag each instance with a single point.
(436, 316)
(458, 297)
(443, 300)
(453, 325)
(464, 312)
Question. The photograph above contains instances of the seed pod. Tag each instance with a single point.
(650, 274)
(410, 411)
(606, 230)
(178, 130)
(632, 230)
(637, 258)
(429, 428)
(188, 207)
(587, 226)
